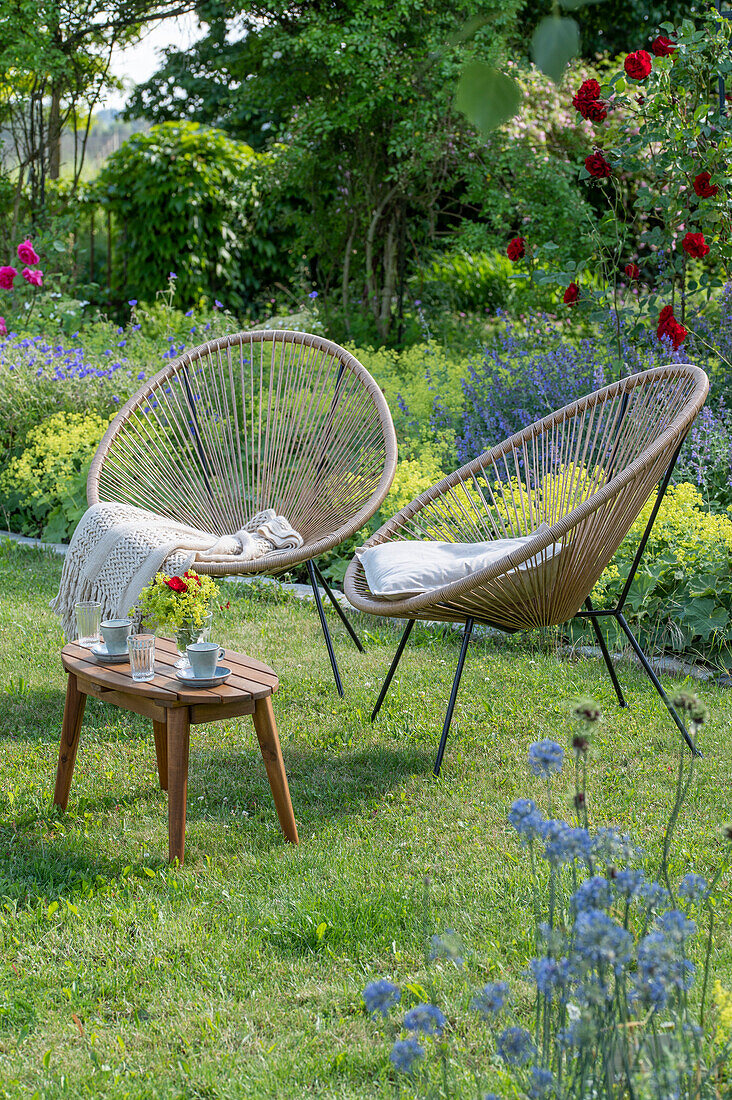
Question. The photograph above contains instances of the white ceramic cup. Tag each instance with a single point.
(115, 633)
(203, 658)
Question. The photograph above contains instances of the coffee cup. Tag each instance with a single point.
(203, 658)
(115, 633)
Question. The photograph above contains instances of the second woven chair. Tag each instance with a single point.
(277, 419)
(575, 482)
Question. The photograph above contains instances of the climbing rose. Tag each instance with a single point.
(177, 584)
(597, 166)
(7, 274)
(694, 245)
(3, 327)
(702, 186)
(571, 294)
(663, 46)
(669, 326)
(27, 253)
(34, 278)
(632, 271)
(587, 101)
(516, 248)
(638, 65)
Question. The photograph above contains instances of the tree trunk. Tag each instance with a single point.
(54, 134)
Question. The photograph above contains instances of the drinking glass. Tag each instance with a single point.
(141, 648)
(88, 617)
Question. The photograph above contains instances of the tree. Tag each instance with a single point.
(54, 67)
(359, 96)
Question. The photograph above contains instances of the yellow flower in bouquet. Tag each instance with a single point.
(173, 603)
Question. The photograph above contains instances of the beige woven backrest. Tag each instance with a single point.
(282, 420)
(585, 471)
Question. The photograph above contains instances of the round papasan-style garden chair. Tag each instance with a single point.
(265, 419)
(574, 481)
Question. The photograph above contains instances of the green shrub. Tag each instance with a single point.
(681, 596)
(43, 489)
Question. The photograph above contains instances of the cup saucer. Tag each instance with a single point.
(185, 675)
(102, 654)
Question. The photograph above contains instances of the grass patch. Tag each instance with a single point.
(239, 975)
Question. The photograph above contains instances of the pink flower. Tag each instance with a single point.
(27, 253)
(35, 278)
(3, 327)
(7, 274)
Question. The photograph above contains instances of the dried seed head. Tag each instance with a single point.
(581, 743)
(586, 710)
(691, 707)
(579, 800)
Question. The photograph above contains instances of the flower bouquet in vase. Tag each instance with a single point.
(180, 606)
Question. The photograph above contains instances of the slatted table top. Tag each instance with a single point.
(250, 679)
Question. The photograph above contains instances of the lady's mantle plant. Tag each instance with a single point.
(620, 1009)
(658, 168)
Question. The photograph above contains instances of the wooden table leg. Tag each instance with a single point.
(179, 728)
(73, 715)
(269, 743)
(160, 730)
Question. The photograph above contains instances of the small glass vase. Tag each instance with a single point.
(187, 634)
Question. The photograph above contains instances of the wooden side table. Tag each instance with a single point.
(174, 708)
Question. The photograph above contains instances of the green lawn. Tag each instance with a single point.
(240, 974)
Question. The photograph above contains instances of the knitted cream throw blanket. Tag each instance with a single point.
(117, 549)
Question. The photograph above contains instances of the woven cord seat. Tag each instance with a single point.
(585, 472)
(276, 419)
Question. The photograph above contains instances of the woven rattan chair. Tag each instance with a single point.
(586, 471)
(281, 420)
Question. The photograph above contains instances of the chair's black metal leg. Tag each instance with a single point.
(323, 623)
(392, 670)
(606, 655)
(655, 681)
(341, 613)
(453, 694)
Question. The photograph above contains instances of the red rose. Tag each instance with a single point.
(516, 248)
(571, 294)
(27, 253)
(3, 327)
(632, 271)
(588, 103)
(663, 46)
(177, 584)
(702, 186)
(670, 327)
(7, 274)
(694, 245)
(597, 166)
(638, 65)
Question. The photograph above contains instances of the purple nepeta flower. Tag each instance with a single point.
(313, 294)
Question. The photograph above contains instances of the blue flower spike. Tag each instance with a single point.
(405, 1054)
(546, 758)
(515, 1046)
(381, 996)
(491, 999)
(428, 1019)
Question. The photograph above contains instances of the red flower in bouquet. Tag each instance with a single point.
(597, 166)
(177, 584)
(632, 271)
(663, 46)
(571, 294)
(638, 65)
(670, 327)
(694, 245)
(702, 186)
(516, 249)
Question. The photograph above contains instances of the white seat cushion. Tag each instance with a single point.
(404, 568)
